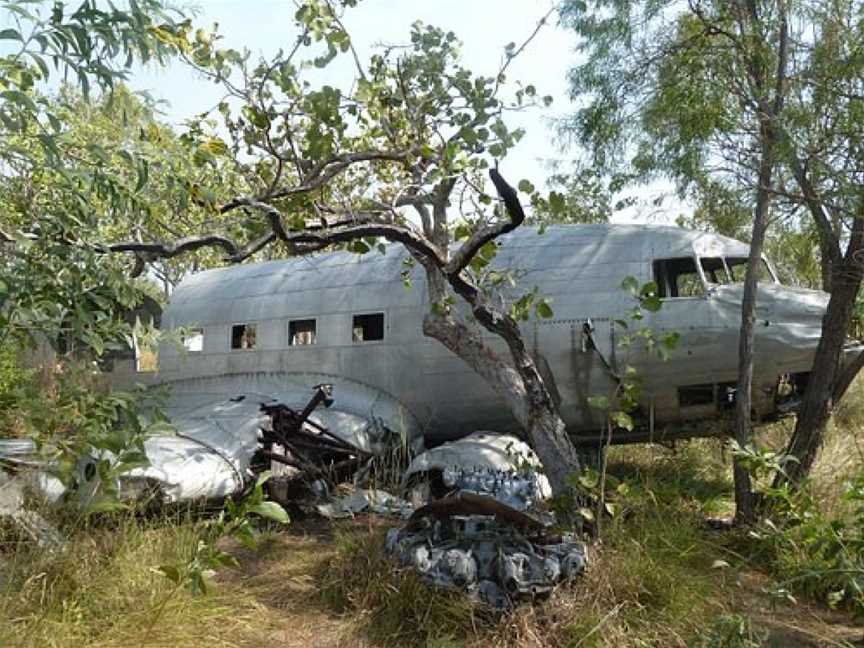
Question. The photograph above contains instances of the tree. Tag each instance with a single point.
(752, 94)
(383, 159)
(577, 197)
(72, 295)
(55, 180)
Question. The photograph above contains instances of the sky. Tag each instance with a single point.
(485, 27)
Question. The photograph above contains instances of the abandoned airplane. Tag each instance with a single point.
(266, 334)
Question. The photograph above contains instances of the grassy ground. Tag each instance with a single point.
(659, 576)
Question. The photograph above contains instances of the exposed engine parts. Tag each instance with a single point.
(491, 551)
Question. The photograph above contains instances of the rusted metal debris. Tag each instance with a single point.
(297, 441)
(487, 549)
(484, 529)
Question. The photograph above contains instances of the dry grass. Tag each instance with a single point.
(654, 578)
(103, 590)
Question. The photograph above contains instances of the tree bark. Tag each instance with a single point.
(519, 381)
(768, 112)
(819, 398)
(744, 509)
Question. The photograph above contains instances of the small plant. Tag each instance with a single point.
(628, 383)
(235, 520)
(733, 631)
(810, 551)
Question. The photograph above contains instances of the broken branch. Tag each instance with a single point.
(462, 257)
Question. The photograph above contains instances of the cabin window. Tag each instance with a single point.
(720, 394)
(243, 336)
(690, 395)
(146, 355)
(193, 340)
(368, 328)
(302, 332)
(678, 278)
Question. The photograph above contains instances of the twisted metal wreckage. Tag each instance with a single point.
(259, 338)
(471, 531)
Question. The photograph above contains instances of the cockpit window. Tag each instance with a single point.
(738, 268)
(678, 278)
(714, 270)
(718, 270)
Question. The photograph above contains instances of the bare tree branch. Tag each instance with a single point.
(462, 257)
(324, 172)
(170, 250)
(816, 207)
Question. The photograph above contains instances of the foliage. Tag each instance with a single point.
(634, 338)
(396, 606)
(733, 631)
(87, 434)
(103, 589)
(140, 177)
(752, 101)
(85, 42)
(676, 90)
(72, 297)
(398, 154)
(656, 579)
(236, 521)
(578, 197)
(811, 551)
(62, 186)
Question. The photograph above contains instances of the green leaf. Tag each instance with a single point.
(271, 511)
(544, 310)
(216, 146)
(652, 303)
(20, 98)
(10, 34)
(630, 284)
(670, 340)
(525, 186)
(358, 247)
(105, 504)
(196, 583)
(622, 420)
(245, 534)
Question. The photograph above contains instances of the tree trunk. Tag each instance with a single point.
(518, 382)
(767, 112)
(819, 398)
(744, 509)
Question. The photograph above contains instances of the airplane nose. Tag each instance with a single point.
(794, 305)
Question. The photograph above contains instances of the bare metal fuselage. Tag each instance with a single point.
(414, 384)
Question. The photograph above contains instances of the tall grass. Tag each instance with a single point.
(103, 589)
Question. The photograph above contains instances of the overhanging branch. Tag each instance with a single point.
(462, 257)
(322, 173)
(170, 250)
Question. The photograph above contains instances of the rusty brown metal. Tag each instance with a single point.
(465, 503)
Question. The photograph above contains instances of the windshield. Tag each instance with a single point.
(728, 270)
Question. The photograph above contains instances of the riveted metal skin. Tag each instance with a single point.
(414, 385)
